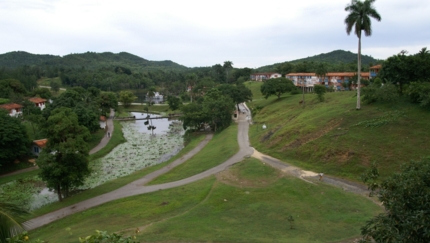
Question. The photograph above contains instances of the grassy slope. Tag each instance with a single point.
(218, 210)
(222, 146)
(321, 137)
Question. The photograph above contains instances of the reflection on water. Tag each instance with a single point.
(162, 125)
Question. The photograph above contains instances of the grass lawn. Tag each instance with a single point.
(222, 146)
(248, 203)
(336, 139)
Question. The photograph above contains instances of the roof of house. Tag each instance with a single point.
(347, 74)
(41, 142)
(11, 106)
(379, 66)
(300, 74)
(37, 100)
(102, 118)
(262, 74)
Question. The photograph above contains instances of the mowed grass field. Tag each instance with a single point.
(248, 203)
(335, 138)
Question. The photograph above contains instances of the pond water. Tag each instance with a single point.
(141, 150)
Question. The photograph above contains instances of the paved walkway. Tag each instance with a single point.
(138, 187)
(106, 138)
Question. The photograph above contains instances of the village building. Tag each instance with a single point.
(39, 102)
(264, 76)
(374, 70)
(13, 109)
(102, 122)
(38, 146)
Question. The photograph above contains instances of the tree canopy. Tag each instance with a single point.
(64, 161)
(276, 86)
(406, 198)
(14, 140)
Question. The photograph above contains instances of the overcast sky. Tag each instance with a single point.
(205, 32)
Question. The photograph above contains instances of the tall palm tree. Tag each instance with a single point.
(227, 66)
(11, 217)
(359, 19)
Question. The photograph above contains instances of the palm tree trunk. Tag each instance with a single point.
(358, 72)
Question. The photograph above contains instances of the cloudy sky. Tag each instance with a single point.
(205, 32)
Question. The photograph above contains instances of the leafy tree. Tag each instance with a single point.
(11, 218)
(55, 85)
(11, 86)
(320, 90)
(44, 93)
(238, 93)
(419, 92)
(193, 115)
(359, 19)
(276, 86)
(126, 98)
(14, 140)
(64, 161)
(107, 101)
(406, 199)
(218, 109)
(174, 102)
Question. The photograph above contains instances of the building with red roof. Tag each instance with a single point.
(38, 145)
(13, 109)
(39, 102)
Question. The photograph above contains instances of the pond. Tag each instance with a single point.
(142, 149)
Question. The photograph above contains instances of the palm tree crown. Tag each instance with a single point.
(359, 17)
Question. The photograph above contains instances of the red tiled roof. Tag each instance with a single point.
(347, 74)
(41, 142)
(300, 74)
(11, 106)
(37, 100)
(102, 118)
(379, 66)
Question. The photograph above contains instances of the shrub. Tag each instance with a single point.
(320, 90)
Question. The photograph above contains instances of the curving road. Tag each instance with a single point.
(138, 187)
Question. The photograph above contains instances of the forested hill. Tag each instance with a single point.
(339, 59)
(89, 60)
(338, 56)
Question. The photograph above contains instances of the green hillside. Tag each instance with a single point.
(337, 56)
(338, 60)
(90, 60)
(334, 138)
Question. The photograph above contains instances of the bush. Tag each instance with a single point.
(419, 93)
(374, 93)
(320, 90)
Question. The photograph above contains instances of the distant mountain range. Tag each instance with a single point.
(89, 60)
(92, 60)
(334, 57)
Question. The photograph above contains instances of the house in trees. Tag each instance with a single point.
(13, 109)
(305, 81)
(39, 102)
(102, 122)
(336, 79)
(374, 70)
(38, 145)
(264, 76)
